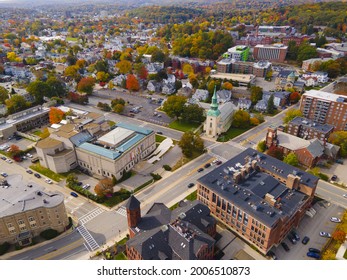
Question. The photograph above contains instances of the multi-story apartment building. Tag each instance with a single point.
(27, 209)
(238, 53)
(259, 197)
(258, 69)
(185, 233)
(307, 129)
(273, 53)
(325, 108)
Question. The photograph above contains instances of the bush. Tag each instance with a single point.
(49, 234)
(261, 147)
(167, 167)
(155, 176)
(4, 248)
(323, 176)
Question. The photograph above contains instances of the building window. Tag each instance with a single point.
(234, 212)
(21, 222)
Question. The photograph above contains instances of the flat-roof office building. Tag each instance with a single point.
(259, 197)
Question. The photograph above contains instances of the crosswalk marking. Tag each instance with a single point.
(122, 211)
(91, 215)
(92, 244)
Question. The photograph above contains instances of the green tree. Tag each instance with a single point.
(241, 119)
(193, 113)
(270, 105)
(118, 108)
(173, 105)
(306, 51)
(291, 159)
(191, 143)
(16, 103)
(261, 147)
(291, 114)
(124, 66)
(71, 180)
(57, 88)
(339, 138)
(39, 89)
(3, 94)
(256, 94)
(293, 49)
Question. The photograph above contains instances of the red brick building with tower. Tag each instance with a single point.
(186, 233)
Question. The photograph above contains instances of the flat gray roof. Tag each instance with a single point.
(18, 197)
(248, 195)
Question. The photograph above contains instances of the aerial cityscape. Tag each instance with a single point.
(173, 130)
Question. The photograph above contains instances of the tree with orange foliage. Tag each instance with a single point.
(339, 236)
(14, 150)
(55, 115)
(104, 187)
(86, 85)
(132, 83)
(294, 97)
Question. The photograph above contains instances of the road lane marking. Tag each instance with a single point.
(61, 250)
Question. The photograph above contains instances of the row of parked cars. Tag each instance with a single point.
(293, 237)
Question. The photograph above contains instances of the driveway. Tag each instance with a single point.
(339, 170)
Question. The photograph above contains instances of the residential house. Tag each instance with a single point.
(223, 96)
(154, 86)
(199, 95)
(244, 104)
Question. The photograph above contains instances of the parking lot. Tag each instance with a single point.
(311, 227)
(148, 105)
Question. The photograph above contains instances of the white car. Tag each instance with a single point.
(9, 160)
(335, 220)
(325, 234)
(86, 186)
(48, 181)
(29, 155)
(345, 195)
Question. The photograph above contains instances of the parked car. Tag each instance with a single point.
(295, 235)
(37, 175)
(9, 160)
(74, 194)
(79, 184)
(335, 220)
(314, 250)
(291, 238)
(333, 178)
(190, 185)
(325, 234)
(159, 132)
(86, 186)
(339, 161)
(29, 155)
(200, 169)
(207, 165)
(272, 255)
(285, 246)
(219, 162)
(313, 255)
(29, 171)
(48, 181)
(4, 174)
(345, 195)
(305, 240)
(3, 158)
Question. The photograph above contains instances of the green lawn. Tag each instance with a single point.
(190, 197)
(71, 39)
(120, 257)
(46, 172)
(232, 133)
(183, 126)
(159, 138)
(345, 255)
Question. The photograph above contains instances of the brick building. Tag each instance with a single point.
(308, 152)
(185, 233)
(307, 129)
(257, 196)
(325, 108)
(228, 65)
(273, 53)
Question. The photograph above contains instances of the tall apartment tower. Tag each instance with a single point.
(325, 108)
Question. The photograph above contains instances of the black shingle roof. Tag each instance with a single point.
(132, 203)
